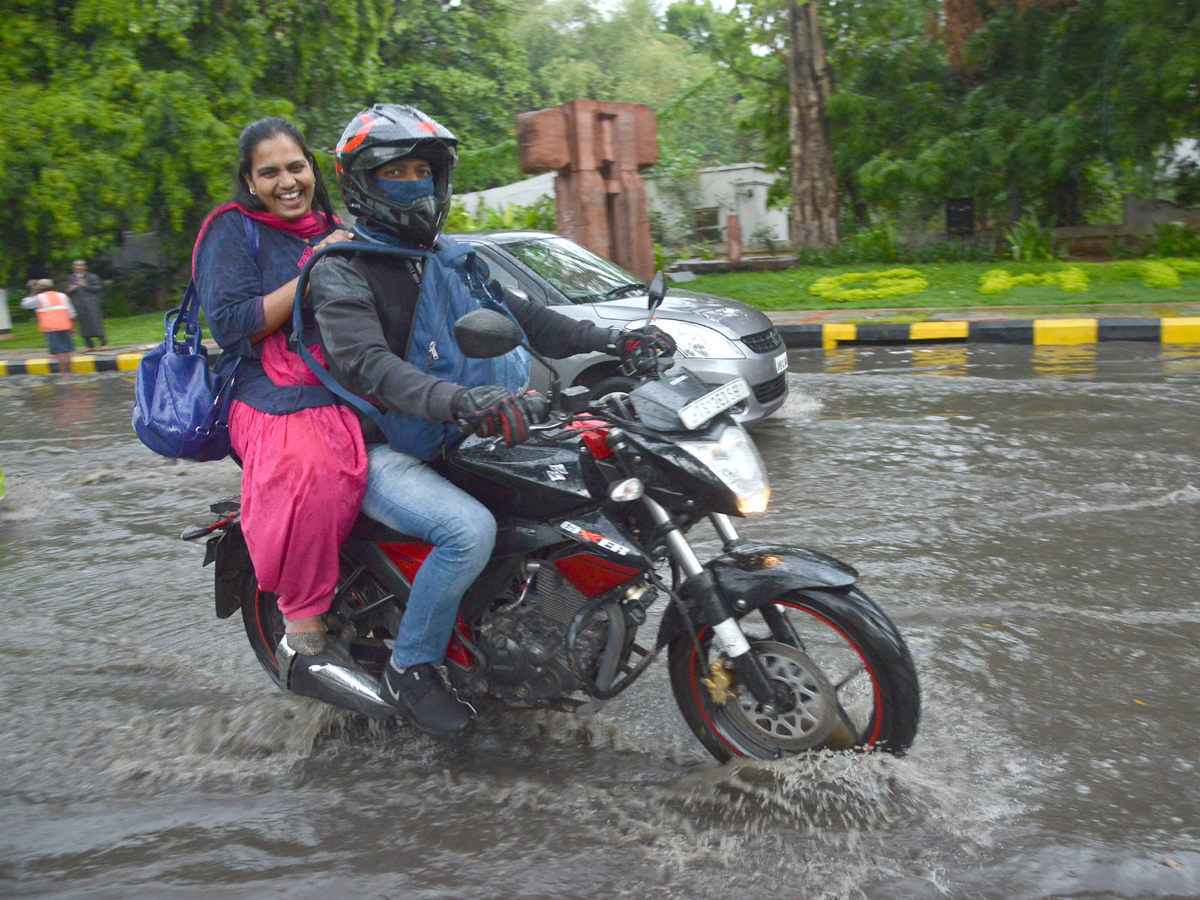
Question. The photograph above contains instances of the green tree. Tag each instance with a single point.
(122, 116)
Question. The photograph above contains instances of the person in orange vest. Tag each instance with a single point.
(55, 319)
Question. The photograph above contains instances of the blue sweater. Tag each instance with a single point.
(231, 285)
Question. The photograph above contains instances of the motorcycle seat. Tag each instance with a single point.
(367, 529)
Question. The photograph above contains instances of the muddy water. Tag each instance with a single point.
(1029, 518)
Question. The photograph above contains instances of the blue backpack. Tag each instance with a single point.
(452, 286)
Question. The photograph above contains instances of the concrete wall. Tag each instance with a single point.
(521, 193)
(1141, 216)
(740, 189)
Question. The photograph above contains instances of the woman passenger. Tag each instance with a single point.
(303, 461)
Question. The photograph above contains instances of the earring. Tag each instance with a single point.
(253, 192)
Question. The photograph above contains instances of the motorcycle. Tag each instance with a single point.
(772, 650)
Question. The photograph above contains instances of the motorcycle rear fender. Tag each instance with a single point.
(752, 575)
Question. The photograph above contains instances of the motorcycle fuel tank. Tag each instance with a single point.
(531, 480)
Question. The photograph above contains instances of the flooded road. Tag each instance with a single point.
(1029, 517)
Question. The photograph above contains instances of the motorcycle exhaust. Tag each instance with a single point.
(332, 676)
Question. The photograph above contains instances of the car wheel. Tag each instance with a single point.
(614, 384)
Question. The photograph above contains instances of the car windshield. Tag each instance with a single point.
(581, 275)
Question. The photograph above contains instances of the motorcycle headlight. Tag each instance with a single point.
(696, 341)
(734, 459)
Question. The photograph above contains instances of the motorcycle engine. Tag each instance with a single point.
(524, 636)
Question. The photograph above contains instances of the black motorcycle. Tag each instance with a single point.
(772, 650)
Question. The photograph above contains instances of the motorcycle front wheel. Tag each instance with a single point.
(847, 671)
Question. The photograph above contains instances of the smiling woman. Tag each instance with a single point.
(282, 177)
(304, 464)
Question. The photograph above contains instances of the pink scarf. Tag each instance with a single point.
(309, 225)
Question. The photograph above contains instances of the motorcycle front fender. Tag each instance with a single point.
(760, 573)
(753, 575)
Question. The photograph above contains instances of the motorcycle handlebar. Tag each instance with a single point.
(537, 404)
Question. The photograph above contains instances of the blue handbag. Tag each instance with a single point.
(180, 407)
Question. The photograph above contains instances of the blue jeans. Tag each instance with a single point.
(408, 496)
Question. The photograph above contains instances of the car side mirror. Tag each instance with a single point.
(487, 334)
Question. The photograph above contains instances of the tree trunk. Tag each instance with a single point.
(814, 183)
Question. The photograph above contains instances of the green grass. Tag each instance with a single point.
(144, 329)
(952, 285)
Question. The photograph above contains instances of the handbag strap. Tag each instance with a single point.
(188, 313)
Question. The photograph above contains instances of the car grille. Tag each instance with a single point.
(763, 341)
(771, 390)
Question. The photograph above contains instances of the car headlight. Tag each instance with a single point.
(734, 459)
(696, 341)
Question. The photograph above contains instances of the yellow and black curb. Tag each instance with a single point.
(81, 363)
(994, 331)
(826, 334)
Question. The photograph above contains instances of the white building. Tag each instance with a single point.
(721, 190)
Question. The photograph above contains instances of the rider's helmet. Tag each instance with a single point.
(385, 132)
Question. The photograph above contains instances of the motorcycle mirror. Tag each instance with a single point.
(658, 290)
(486, 334)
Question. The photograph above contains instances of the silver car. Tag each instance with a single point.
(718, 338)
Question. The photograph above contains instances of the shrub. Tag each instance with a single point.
(890, 283)
(1030, 241)
(1175, 239)
(997, 281)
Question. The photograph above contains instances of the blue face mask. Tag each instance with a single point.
(405, 192)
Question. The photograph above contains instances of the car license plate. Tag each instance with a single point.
(717, 401)
(781, 363)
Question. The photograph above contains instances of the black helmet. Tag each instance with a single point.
(390, 131)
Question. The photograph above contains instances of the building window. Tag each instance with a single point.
(706, 224)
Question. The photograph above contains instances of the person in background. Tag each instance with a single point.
(84, 288)
(55, 319)
(303, 460)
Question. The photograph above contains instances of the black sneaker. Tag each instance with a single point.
(422, 699)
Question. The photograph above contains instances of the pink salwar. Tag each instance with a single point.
(303, 477)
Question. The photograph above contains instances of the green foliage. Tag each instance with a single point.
(487, 167)
(953, 285)
(1059, 109)
(123, 116)
(1158, 275)
(764, 236)
(884, 285)
(1175, 239)
(997, 281)
(877, 243)
(537, 217)
(1030, 241)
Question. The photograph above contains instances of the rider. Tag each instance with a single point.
(395, 167)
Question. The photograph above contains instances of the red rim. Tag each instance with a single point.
(870, 672)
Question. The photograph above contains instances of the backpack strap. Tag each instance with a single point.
(251, 228)
(374, 249)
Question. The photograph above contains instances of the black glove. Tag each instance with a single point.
(639, 348)
(491, 410)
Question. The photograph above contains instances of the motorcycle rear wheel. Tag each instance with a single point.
(846, 667)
